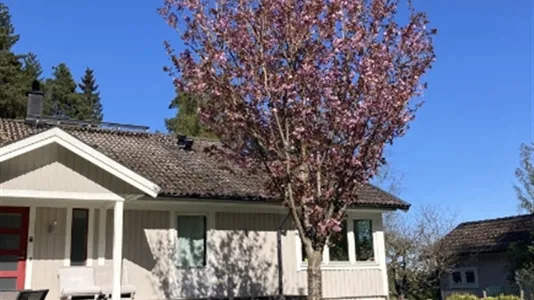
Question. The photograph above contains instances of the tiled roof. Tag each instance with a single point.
(179, 173)
(494, 235)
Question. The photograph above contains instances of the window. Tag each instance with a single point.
(457, 277)
(363, 238)
(470, 277)
(353, 246)
(191, 244)
(340, 250)
(464, 277)
(78, 246)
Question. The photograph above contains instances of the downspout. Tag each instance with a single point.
(280, 261)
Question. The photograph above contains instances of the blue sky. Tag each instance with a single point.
(461, 151)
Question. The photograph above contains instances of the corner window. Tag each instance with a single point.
(464, 277)
(363, 237)
(79, 231)
(354, 246)
(191, 242)
(340, 250)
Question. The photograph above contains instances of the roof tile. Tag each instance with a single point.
(192, 174)
(494, 235)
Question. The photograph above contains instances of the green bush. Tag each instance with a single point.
(473, 297)
(462, 297)
(506, 297)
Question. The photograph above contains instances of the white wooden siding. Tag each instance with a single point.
(241, 249)
(242, 260)
(49, 249)
(54, 168)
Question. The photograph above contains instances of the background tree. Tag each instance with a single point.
(61, 96)
(416, 253)
(309, 91)
(525, 176)
(90, 106)
(12, 79)
(522, 256)
(187, 119)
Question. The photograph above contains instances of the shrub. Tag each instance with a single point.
(473, 297)
(507, 297)
(462, 297)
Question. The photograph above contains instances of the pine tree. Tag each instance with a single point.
(187, 120)
(32, 68)
(8, 38)
(90, 97)
(61, 97)
(12, 80)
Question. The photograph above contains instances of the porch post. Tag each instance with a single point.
(117, 249)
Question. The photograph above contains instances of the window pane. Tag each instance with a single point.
(470, 277)
(78, 248)
(191, 248)
(340, 250)
(457, 277)
(8, 262)
(8, 283)
(363, 237)
(10, 220)
(9, 241)
(304, 254)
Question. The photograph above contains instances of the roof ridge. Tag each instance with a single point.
(496, 219)
(113, 130)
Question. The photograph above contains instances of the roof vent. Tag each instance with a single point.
(35, 101)
(185, 143)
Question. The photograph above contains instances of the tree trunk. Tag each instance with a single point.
(315, 283)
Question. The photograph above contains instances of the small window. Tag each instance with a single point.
(191, 245)
(79, 229)
(363, 237)
(457, 277)
(464, 278)
(470, 277)
(339, 251)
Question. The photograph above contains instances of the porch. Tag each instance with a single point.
(61, 205)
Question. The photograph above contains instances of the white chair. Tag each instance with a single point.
(104, 277)
(77, 282)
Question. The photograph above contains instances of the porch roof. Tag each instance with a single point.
(179, 173)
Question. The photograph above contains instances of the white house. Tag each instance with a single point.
(175, 221)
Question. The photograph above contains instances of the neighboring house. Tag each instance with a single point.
(481, 252)
(181, 223)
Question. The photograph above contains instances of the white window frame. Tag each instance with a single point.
(174, 235)
(464, 283)
(352, 263)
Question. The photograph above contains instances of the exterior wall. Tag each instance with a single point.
(492, 271)
(49, 249)
(41, 168)
(241, 260)
(241, 250)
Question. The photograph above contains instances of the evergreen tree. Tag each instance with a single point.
(187, 120)
(61, 97)
(8, 38)
(90, 97)
(12, 80)
(32, 68)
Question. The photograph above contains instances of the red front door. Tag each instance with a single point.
(13, 241)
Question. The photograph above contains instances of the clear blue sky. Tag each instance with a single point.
(462, 150)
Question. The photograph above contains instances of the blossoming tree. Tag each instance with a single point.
(309, 91)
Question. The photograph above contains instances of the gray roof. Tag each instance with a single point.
(180, 173)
